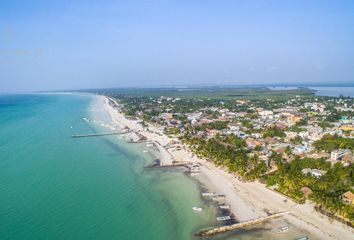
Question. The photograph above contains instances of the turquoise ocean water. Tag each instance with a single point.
(55, 187)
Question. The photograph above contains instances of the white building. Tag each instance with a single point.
(314, 172)
(265, 113)
(339, 154)
(194, 116)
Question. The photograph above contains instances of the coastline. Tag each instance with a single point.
(248, 200)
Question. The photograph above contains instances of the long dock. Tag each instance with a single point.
(214, 231)
(157, 164)
(98, 134)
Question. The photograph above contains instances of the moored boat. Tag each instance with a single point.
(223, 218)
(302, 238)
(197, 209)
(224, 206)
(282, 229)
(194, 170)
(205, 194)
(218, 197)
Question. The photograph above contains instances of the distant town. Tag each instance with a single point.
(298, 144)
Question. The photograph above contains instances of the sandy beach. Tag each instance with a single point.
(247, 200)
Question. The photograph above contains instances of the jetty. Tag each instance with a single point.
(217, 230)
(98, 134)
(158, 164)
(174, 164)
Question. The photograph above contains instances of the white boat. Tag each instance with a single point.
(206, 194)
(223, 218)
(194, 173)
(224, 206)
(282, 229)
(217, 197)
(145, 151)
(197, 209)
(302, 238)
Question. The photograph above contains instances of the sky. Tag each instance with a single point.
(59, 45)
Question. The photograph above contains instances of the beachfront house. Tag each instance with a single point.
(306, 191)
(252, 143)
(348, 197)
(339, 154)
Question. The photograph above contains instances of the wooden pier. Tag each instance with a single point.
(98, 134)
(158, 164)
(174, 164)
(217, 230)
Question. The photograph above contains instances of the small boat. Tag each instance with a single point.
(206, 194)
(302, 238)
(217, 197)
(197, 209)
(223, 218)
(224, 206)
(194, 173)
(282, 229)
(145, 151)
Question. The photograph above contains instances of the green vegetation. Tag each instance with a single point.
(218, 125)
(228, 151)
(296, 140)
(221, 93)
(330, 143)
(297, 129)
(246, 123)
(327, 190)
(171, 131)
(273, 132)
(242, 107)
(324, 125)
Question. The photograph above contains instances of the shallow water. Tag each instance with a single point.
(334, 91)
(56, 187)
(53, 186)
